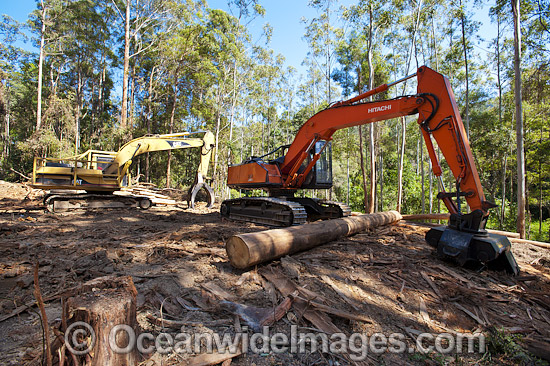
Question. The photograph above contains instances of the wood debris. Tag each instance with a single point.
(384, 280)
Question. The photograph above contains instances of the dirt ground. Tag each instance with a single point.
(389, 277)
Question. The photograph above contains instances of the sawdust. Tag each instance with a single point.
(177, 257)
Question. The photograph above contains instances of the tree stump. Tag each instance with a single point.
(89, 317)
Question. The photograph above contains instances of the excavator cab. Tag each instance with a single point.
(320, 176)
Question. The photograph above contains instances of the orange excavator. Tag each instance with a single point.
(306, 164)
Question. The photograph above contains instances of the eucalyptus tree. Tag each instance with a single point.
(322, 36)
(76, 39)
(516, 15)
(499, 15)
(267, 72)
(135, 17)
(10, 32)
(371, 18)
(182, 56)
(535, 94)
(227, 42)
(351, 75)
(467, 28)
(45, 20)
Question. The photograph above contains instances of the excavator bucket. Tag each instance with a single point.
(473, 249)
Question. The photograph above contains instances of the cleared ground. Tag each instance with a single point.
(389, 276)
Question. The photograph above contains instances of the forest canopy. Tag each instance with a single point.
(108, 71)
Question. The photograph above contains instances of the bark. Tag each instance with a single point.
(499, 82)
(247, 250)
(401, 160)
(79, 103)
(103, 303)
(348, 186)
(372, 192)
(443, 216)
(519, 120)
(149, 111)
(171, 129)
(423, 198)
(431, 194)
(540, 186)
(363, 170)
(381, 180)
(40, 68)
(126, 70)
(5, 115)
(503, 204)
(465, 50)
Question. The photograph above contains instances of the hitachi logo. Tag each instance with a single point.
(386, 107)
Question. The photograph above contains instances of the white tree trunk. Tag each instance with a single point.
(124, 109)
(519, 120)
(40, 68)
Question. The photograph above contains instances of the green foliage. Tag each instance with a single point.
(502, 345)
(195, 68)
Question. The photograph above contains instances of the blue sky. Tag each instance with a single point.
(283, 15)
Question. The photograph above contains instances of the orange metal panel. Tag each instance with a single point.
(253, 174)
(451, 137)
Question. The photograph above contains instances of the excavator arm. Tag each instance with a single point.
(145, 144)
(99, 172)
(438, 117)
(465, 239)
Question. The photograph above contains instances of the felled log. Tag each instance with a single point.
(505, 233)
(532, 242)
(101, 303)
(433, 216)
(245, 250)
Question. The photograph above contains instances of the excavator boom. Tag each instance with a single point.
(100, 173)
(305, 165)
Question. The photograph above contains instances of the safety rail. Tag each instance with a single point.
(77, 172)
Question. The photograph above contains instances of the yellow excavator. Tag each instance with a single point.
(101, 173)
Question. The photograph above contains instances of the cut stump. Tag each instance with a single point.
(102, 304)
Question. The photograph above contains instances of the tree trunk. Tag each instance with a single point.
(423, 190)
(540, 185)
(347, 192)
(148, 117)
(133, 84)
(372, 192)
(519, 119)
(431, 194)
(171, 130)
(465, 50)
(401, 161)
(78, 111)
(5, 117)
(381, 180)
(503, 204)
(126, 70)
(40, 68)
(247, 250)
(363, 171)
(499, 82)
(102, 304)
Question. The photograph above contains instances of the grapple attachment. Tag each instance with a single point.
(468, 244)
(473, 250)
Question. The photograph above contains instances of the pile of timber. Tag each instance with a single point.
(154, 196)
